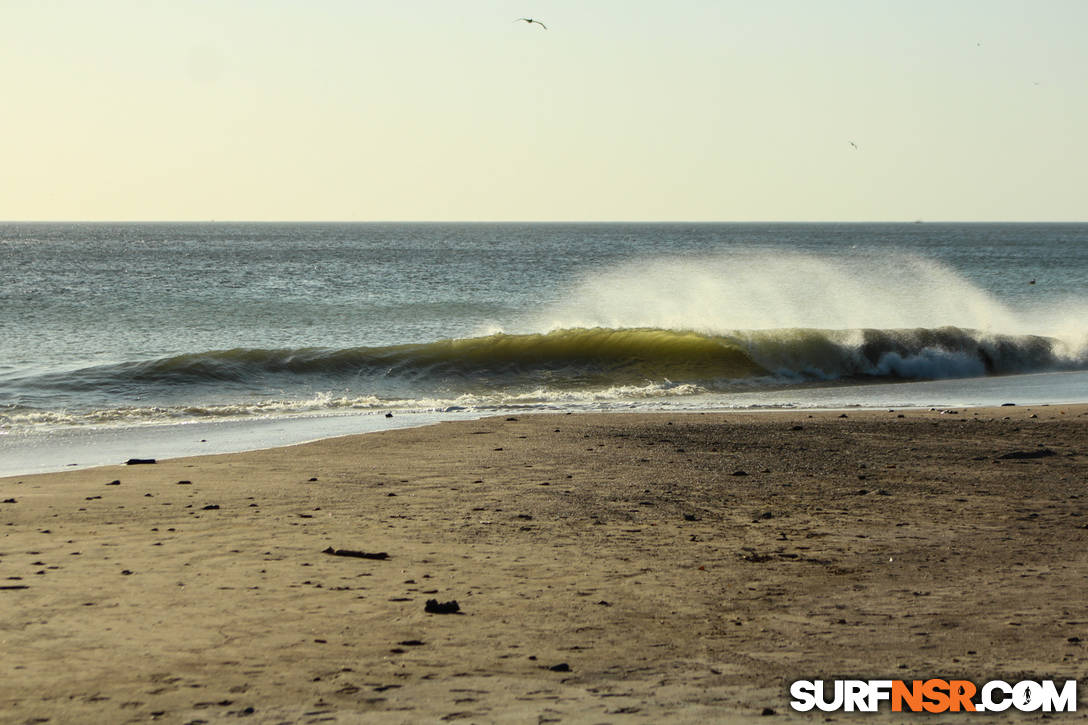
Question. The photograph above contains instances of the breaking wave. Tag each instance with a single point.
(594, 358)
(646, 331)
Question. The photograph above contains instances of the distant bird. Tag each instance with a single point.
(1032, 282)
(531, 21)
(854, 145)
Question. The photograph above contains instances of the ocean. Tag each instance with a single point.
(171, 339)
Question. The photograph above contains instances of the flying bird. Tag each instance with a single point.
(854, 145)
(531, 21)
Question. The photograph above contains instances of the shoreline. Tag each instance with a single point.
(81, 447)
(684, 567)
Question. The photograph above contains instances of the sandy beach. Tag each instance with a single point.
(606, 568)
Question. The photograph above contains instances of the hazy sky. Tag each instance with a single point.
(715, 110)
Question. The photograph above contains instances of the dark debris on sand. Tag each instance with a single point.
(433, 606)
(381, 555)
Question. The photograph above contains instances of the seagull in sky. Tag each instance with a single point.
(531, 21)
(854, 145)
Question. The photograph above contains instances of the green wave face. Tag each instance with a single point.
(588, 356)
(595, 358)
(562, 357)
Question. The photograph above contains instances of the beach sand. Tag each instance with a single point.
(608, 568)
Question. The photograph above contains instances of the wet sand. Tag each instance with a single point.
(607, 568)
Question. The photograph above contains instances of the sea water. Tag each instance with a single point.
(119, 337)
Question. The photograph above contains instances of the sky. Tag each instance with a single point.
(621, 110)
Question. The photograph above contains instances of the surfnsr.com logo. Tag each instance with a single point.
(933, 695)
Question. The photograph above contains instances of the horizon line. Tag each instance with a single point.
(543, 221)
